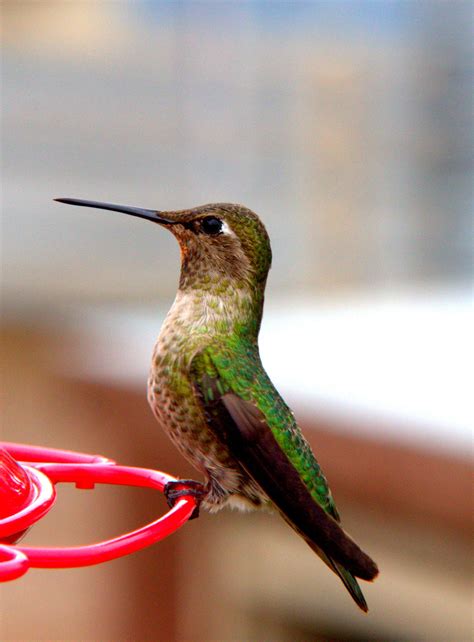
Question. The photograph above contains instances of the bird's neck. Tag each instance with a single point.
(214, 311)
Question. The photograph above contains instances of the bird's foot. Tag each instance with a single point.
(185, 487)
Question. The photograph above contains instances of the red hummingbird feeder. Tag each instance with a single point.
(28, 476)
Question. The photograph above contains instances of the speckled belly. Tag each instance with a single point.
(174, 404)
(176, 407)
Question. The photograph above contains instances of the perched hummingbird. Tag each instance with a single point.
(209, 390)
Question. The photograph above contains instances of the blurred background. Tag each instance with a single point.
(347, 127)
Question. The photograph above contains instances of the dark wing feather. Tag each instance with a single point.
(244, 429)
(257, 450)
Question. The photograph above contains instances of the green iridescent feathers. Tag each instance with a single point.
(236, 367)
(247, 415)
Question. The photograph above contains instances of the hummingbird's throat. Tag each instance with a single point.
(207, 312)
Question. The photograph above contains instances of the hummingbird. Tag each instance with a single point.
(209, 390)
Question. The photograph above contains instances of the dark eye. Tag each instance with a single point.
(211, 225)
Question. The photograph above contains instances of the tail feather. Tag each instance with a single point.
(346, 577)
(351, 585)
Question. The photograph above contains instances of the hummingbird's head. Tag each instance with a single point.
(220, 241)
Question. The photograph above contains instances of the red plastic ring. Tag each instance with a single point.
(48, 466)
(28, 453)
(87, 475)
(13, 563)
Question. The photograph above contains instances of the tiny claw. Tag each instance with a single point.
(185, 488)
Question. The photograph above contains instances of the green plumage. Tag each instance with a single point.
(233, 366)
(236, 365)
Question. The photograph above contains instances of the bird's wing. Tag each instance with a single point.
(245, 429)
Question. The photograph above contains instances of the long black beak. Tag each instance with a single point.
(150, 215)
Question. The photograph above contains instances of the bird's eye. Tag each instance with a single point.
(211, 225)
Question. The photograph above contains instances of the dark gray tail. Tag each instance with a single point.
(346, 577)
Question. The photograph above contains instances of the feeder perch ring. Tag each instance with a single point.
(38, 477)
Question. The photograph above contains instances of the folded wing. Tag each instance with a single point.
(243, 427)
